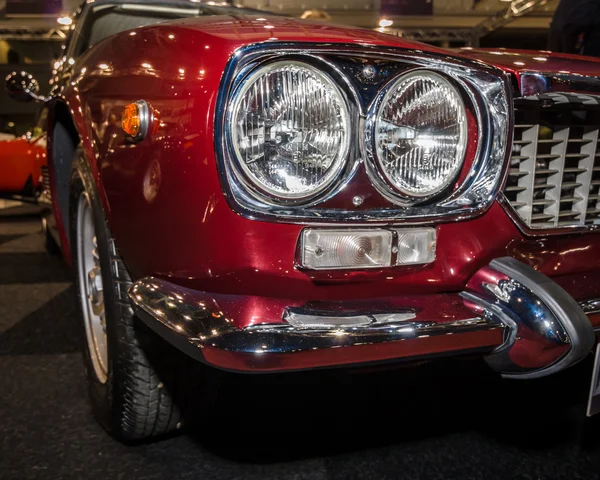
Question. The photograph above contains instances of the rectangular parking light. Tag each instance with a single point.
(332, 249)
(416, 247)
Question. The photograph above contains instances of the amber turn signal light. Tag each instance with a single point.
(139, 119)
(130, 120)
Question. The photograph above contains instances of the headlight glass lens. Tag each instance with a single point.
(290, 130)
(421, 134)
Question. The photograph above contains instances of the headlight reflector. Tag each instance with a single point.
(420, 134)
(290, 131)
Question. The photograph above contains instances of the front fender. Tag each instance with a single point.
(140, 183)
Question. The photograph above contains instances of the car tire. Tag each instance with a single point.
(138, 388)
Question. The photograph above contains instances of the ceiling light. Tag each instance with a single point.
(64, 20)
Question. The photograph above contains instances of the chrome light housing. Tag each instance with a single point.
(348, 185)
(420, 136)
(290, 129)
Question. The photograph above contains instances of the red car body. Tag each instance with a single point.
(176, 226)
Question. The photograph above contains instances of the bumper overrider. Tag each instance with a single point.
(522, 322)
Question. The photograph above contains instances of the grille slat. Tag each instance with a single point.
(568, 185)
(554, 179)
(541, 216)
(574, 198)
(543, 186)
(515, 189)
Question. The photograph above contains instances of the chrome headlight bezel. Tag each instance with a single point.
(489, 93)
(336, 174)
(379, 175)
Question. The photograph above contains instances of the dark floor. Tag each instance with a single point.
(440, 422)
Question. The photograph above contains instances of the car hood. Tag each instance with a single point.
(240, 30)
(534, 61)
(248, 29)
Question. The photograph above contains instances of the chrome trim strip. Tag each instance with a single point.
(320, 338)
(144, 111)
(191, 325)
(541, 232)
(535, 82)
(309, 319)
(591, 307)
(491, 86)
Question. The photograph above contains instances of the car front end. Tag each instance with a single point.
(369, 204)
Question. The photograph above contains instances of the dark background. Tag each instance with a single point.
(406, 7)
(29, 7)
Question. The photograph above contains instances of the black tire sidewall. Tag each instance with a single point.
(101, 394)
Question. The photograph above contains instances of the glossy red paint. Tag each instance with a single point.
(542, 61)
(251, 310)
(163, 196)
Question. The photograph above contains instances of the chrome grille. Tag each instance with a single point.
(554, 177)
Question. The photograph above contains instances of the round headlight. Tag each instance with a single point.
(420, 134)
(290, 131)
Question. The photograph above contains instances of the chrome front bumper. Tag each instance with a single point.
(487, 319)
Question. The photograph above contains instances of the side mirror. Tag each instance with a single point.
(23, 87)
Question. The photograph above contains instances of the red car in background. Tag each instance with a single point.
(270, 195)
(22, 164)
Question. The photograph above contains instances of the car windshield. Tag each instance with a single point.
(109, 19)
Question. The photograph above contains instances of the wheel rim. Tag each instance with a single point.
(91, 289)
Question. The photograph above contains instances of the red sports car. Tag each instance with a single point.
(22, 164)
(271, 194)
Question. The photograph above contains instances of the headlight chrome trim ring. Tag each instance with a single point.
(375, 169)
(337, 172)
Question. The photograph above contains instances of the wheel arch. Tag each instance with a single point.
(67, 131)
